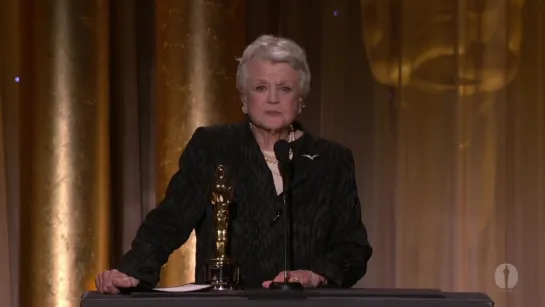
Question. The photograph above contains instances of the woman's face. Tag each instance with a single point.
(272, 97)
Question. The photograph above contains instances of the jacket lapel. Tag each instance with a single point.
(256, 185)
(254, 163)
(304, 159)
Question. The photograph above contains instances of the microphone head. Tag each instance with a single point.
(282, 151)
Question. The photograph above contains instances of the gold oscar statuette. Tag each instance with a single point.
(222, 271)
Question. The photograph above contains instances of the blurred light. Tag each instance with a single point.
(17, 79)
(336, 13)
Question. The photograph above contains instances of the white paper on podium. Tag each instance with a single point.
(184, 288)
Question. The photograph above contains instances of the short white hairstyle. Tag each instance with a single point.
(276, 50)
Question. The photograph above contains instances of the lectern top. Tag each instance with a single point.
(314, 298)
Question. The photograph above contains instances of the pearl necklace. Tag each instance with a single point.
(272, 159)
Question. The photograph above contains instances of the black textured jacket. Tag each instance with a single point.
(329, 237)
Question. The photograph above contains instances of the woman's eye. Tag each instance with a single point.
(286, 89)
(260, 88)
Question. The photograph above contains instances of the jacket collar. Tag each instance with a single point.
(304, 155)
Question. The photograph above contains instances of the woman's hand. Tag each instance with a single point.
(112, 280)
(306, 278)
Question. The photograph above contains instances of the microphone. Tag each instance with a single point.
(282, 152)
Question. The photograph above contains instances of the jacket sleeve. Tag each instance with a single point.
(169, 225)
(349, 250)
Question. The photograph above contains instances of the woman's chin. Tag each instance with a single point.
(272, 125)
(275, 127)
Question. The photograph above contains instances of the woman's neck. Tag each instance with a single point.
(267, 138)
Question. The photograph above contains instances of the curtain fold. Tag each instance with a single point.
(9, 151)
(5, 274)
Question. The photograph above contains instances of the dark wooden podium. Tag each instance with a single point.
(308, 298)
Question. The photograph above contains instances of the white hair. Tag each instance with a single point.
(275, 49)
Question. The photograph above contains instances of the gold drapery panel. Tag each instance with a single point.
(197, 43)
(65, 157)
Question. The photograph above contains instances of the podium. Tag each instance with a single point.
(307, 298)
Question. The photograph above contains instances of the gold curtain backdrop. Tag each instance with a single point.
(442, 103)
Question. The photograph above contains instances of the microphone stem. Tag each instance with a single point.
(287, 218)
(287, 237)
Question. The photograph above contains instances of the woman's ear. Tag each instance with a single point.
(244, 107)
(301, 104)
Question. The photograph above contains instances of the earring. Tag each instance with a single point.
(244, 110)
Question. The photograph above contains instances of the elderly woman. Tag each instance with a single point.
(330, 244)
